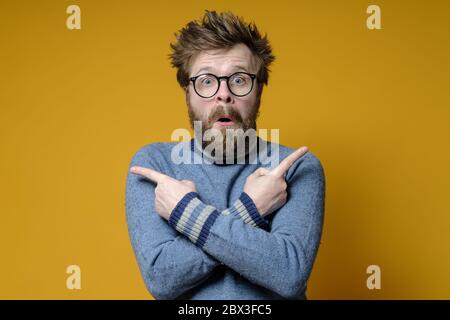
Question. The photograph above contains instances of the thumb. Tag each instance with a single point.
(261, 172)
(188, 182)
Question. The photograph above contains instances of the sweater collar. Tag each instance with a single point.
(196, 147)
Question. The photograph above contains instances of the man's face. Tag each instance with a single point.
(242, 111)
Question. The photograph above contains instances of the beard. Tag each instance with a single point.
(241, 124)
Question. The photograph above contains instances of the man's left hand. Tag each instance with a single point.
(168, 191)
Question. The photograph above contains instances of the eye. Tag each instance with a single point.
(238, 80)
(207, 81)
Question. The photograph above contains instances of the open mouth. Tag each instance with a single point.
(225, 120)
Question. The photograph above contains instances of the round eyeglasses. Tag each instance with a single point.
(240, 84)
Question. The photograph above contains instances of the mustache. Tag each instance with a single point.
(225, 111)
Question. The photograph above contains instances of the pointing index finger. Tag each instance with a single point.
(284, 165)
(148, 173)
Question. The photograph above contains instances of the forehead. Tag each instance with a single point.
(223, 61)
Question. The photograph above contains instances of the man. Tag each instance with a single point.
(224, 230)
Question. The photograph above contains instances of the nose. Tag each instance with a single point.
(224, 94)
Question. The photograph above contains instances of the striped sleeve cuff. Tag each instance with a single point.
(194, 219)
(245, 209)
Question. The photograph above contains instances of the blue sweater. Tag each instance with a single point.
(215, 244)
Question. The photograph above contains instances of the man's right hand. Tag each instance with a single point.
(267, 188)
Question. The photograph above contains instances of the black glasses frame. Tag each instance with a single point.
(219, 81)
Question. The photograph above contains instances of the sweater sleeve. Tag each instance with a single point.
(280, 260)
(244, 208)
(169, 263)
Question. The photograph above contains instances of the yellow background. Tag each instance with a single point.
(75, 105)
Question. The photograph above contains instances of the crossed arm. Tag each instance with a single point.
(279, 260)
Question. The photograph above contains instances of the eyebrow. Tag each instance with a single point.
(208, 69)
